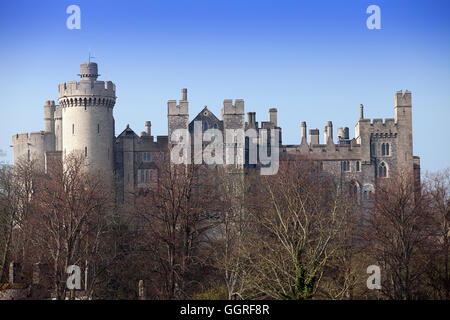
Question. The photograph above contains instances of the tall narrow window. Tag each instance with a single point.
(98, 128)
(73, 128)
(85, 151)
(346, 165)
(383, 149)
(387, 149)
(358, 166)
(29, 155)
(382, 170)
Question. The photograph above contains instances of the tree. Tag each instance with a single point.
(397, 229)
(71, 218)
(298, 217)
(436, 262)
(17, 186)
(177, 212)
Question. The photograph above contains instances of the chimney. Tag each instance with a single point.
(361, 111)
(251, 118)
(273, 116)
(184, 94)
(330, 131)
(148, 128)
(303, 131)
(340, 133)
(346, 135)
(314, 136)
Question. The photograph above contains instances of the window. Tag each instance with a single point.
(346, 165)
(145, 175)
(358, 165)
(29, 155)
(382, 170)
(73, 128)
(146, 156)
(98, 128)
(85, 151)
(385, 149)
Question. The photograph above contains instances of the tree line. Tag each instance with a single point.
(199, 232)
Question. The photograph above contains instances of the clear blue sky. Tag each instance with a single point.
(313, 60)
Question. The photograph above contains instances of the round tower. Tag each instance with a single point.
(87, 118)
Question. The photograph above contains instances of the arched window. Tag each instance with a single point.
(387, 149)
(382, 170)
(383, 149)
(205, 126)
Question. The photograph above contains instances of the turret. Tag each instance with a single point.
(178, 114)
(403, 120)
(87, 121)
(49, 116)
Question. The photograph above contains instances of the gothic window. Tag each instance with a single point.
(387, 149)
(372, 150)
(205, 126)
(346, 165)
(358, 166)
(382, 170)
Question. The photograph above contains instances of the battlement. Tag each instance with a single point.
(403, 99)
(230, 108)
(87, 88)
(175, 109)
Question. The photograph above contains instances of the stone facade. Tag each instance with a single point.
(83, 121)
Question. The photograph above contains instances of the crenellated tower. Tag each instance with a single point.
(87, 118)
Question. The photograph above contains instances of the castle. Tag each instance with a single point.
(83, 122)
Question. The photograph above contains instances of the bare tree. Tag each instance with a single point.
(397, 229)
(17, 186)
(177, 212)
(298, 217)
(436, 262)
(70, 220)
